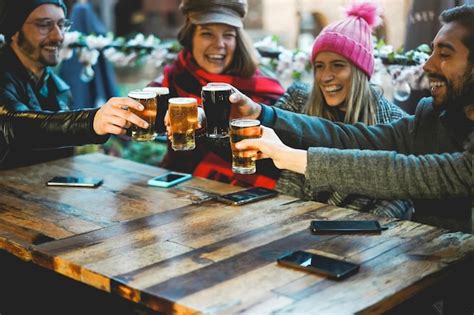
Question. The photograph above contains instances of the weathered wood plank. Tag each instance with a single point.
(58, 212)
(179, 251)
(247, 237)
(240, 269)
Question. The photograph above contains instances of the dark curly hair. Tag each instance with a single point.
(463, 15)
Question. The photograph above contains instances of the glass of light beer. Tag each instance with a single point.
(183, 115)
(148, 100)
(243, 162)
(162, 96)
(215, 100)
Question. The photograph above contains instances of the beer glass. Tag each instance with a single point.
(215, 100)
(183, 115)
(148, 100)
(243, 162)
(162, 96)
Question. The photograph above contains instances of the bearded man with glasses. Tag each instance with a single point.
(34, 32)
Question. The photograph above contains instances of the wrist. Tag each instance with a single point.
(297, 161)
(257, 111)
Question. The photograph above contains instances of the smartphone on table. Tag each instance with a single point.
(345, 226)
(323, 265)
(72, 181)
(248, 195)
(169, 179)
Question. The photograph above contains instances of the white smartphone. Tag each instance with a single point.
(169, 179)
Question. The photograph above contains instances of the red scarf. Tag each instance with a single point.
(260, 88)
(185, 79)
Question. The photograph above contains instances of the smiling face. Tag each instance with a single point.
(333, 76)
(35, 49)
(214, 46)
(448, 68)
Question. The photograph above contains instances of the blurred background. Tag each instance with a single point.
(294, 24)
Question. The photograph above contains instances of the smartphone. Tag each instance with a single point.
(169, 179)
(345, 226)
(72, 181)
(328, 266)
(247, 195)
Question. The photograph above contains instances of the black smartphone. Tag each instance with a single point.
(328, 266)
(346, 226)
(169, 179)
(248, 195)
(72, 181)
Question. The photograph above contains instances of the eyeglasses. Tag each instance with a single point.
(46, 26)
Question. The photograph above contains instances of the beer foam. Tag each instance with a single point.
(141, 94)
(245, 122)
(182, 100)
(159, 90)
(217, 87)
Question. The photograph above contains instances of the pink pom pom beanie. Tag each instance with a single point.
(351, 37)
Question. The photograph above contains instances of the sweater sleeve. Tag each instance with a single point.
(302, 131)
(388, 175)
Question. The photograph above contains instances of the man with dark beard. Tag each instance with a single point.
(441, 124)
(34, 32)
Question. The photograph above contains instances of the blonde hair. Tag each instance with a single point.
(244, 62)
(360, 104)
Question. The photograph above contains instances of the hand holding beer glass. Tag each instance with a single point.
(148, 100)
(215, 100)
(162, 96)
(243, 161)
(183, 116)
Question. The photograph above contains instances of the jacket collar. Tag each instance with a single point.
(15, 65)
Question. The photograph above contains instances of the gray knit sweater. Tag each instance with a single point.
(432, 130)
(387, 174)
(297, 185)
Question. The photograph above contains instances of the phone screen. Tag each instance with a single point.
(248, 195)
(74, 181)
(331, 267)
(345, 226)
(169, 179)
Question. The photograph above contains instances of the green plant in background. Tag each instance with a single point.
(151, 152)
(143, 152)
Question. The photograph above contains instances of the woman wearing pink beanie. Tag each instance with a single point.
(343, 62)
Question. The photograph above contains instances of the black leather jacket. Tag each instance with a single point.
(21, 92)
(24, 135)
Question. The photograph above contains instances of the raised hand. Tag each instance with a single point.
(201, 121)
(243, 106)
(115, 118)
(270, 146)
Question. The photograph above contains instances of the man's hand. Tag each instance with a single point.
(243, 106)
(114, 118)
(270, 146)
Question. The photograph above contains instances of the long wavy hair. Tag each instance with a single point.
(244, 62)
(360, 104)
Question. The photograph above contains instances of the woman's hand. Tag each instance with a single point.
(115, 118)
(201, 121)
(270, 146)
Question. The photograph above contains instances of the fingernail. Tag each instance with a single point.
(234, 97)
(141, 107)
(145, 125)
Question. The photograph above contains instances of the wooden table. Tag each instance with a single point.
(179, 250)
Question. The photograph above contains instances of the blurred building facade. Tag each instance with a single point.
(288, 19)
(291, 18)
